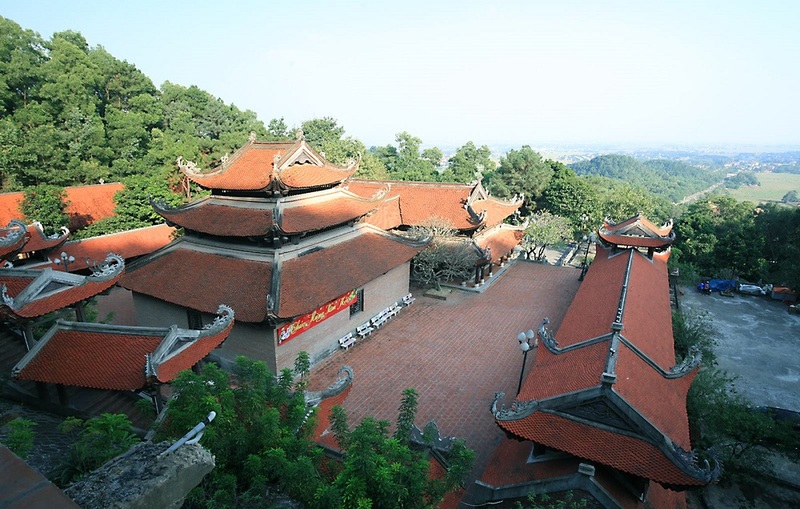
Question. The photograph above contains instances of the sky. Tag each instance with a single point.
(561, 72)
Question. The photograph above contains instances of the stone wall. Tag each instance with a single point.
(140, 479)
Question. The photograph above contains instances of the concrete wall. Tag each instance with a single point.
(323, 339)
(258, 342)
(254, 340)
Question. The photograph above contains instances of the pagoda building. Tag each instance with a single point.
(637, 232)
(467, 207)
(603, 408)
(283, 242)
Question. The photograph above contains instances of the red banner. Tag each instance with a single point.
(319, 315)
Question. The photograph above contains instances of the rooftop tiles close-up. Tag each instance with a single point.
(456, 353)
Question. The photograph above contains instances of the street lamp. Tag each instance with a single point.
(65, 260)
(524, 339)
(589, 241)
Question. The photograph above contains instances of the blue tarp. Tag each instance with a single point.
(719, 285)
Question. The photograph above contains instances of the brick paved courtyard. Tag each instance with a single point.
(456, 354)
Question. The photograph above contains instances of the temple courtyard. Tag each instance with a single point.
(456, 353)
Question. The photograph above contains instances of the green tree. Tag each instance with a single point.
(327, 137)
(20, 436)
(719, 235)
(132, 207)
(46, 204)
(790, 197)
(545, 229)
(522, 171)
(98, 440)
(468, 163)
(569, 196)
(448, 257)
(260, 436)
(405, 162)
(380, 471)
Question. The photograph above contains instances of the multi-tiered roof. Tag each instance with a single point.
(278, 237)
(606, 387)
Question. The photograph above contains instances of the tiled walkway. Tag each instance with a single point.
(456, 354)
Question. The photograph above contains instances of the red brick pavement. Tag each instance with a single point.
(456, 354)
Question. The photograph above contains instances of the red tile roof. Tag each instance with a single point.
(626, 453)
(638, 222)
(329, 209)
(10, 207)
(496, 210)
(303, 176)
(643, 309)
(49, 290)
(85, 204)
(262, 165)
(89, 204)
(595, 305)
(128, 244)
(97, 360)
(387, 215)
(38, 241)
(193, 276)
(421, 201)
(501, 239)
(13, 238)
(223, 216)
(637, 232)
(174, 355)
(548, 379)
(338, 269)
(116, 357)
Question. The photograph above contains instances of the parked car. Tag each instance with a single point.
(751, 289)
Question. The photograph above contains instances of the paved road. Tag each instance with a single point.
(759, 341)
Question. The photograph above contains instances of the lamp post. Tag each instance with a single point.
(65, 260)
(524, 339)
(589, 240)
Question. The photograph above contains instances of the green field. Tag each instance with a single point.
(773, 187)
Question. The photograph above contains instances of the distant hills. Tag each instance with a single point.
(667, 178)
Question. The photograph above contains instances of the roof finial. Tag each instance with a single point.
(252, 137)
(300, 135)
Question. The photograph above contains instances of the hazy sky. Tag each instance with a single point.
(529, 72)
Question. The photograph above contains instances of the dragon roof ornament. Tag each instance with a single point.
(188, 167)
(224, 317)
(688, 364)
(109, 268)
(8, 300)
(344, 380)
(14, 231)
(688, 462)
(518, 410)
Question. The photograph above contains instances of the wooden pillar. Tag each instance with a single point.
(79, 313)
(42, 392)
(27, 335)
(63, 400)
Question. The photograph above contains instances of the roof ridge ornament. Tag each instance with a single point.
(252, 137)
(8, 300)
(689, 363)
(687, 460)
(108, 268)
(188, 167)
(300, 135)
(12, 236)
(547, 337)
(225, 316)
(518, 410)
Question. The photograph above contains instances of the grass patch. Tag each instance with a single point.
(773, 187)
